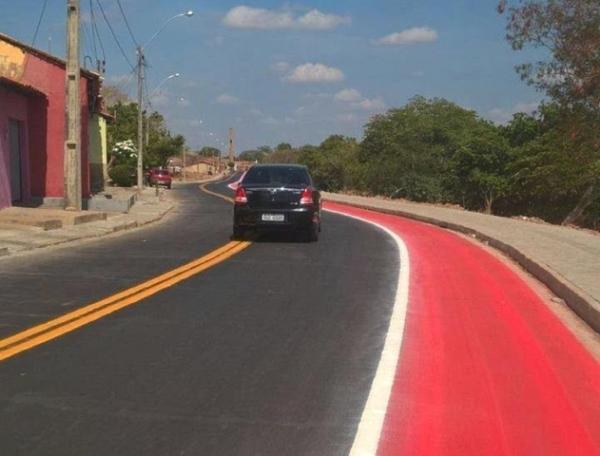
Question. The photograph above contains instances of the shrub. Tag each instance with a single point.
(123, 175)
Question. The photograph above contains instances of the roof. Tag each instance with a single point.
(45, 56)
(24, 88)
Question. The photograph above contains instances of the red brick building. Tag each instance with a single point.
(32, 124)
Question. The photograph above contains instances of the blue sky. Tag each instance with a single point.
(299, 71)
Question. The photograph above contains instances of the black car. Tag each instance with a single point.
(277, 197)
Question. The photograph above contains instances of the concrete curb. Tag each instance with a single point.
(141, 220)
(579, 301)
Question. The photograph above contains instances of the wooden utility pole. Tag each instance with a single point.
(140, 92)
(231, 145)
(72, 152)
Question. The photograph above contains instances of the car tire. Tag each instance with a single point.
(169, 186)
(312, 233)
(238, 233)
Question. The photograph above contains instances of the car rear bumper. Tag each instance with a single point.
(160, 182)
(300, 218)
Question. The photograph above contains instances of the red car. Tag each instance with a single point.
(159, 177)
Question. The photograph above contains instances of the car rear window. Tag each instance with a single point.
(277, 177)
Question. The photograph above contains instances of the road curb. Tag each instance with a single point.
(579, 301)
(120, 228)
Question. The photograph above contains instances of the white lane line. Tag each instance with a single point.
(369, 429)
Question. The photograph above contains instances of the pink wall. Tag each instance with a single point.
(49, 78)
(17, 105)
(43, 115)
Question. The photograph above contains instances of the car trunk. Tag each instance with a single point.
(273, 198)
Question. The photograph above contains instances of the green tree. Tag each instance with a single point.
(570, 31)
(407, 152)
(208, 151)
(479, 168)
(333, 163)
(258, 155)
(161, 143)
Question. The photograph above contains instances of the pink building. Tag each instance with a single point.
(32, 124)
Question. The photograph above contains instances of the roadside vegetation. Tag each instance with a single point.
(159, 146)
(544, 165)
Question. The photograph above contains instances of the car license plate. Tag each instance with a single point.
(273, 218)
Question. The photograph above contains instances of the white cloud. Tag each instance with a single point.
(372, 105)
(263, 19)
(317, 20)
(315, 72)
(257, 18)
(413, 35)
(348, 95)
(355, 99)
(504, 115)
(280, 67)
(227, 99)
(196, 123)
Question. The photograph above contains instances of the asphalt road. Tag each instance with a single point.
(271, 352)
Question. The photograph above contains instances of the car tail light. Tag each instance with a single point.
(240, 196)
(307, 197)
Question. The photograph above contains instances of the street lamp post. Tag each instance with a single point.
(152, 92)
(140, 92)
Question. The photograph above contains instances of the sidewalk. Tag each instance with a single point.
(566, 260)
(29, 230)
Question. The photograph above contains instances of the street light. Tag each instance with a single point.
(161, 83)
(189, 13)
(140, 91)
(152, 92)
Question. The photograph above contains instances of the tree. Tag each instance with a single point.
(112, 95)
(570, 31)
(161, 143)
(208, 151)
(281, 155)
(407, 152)
(479, 166)
(283, 147)
(158, 152)
(332, 163)
(256, 155)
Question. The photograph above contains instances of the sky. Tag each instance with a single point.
(294, 72)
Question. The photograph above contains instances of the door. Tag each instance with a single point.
(16, 174)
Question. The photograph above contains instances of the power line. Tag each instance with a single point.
(114, 35)
(91, 26)
(147, 94)
(96, 31)
(127, 24)
(122, 85)
(37, 27)
(86, 41)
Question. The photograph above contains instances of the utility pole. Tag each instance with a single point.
(140, 91)
(147, 140)
(72, 152)
(231, 145)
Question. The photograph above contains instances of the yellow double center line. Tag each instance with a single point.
(57, 327)
(218, 195)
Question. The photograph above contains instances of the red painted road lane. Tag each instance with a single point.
(485, 367)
